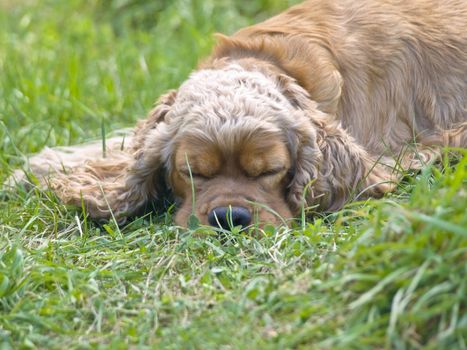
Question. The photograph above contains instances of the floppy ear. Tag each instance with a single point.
(333, 169)
(125, 181)
(155, 116)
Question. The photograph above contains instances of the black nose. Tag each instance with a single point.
(228, 217)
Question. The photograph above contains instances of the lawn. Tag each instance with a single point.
(383, 274)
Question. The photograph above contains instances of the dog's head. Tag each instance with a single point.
(233, 147)
(231, 159)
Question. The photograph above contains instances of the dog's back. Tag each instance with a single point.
(389, 70)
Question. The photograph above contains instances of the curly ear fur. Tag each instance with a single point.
(330, 165)
(122, 183)
(156, 116)
(332, 168)
(348, 170)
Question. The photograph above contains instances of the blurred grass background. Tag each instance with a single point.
(68, 65)
(383, 274)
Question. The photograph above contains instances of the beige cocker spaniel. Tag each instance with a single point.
(311, 108)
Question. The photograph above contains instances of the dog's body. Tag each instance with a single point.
(389, 71)
(310, 107)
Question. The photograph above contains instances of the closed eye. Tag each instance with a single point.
(271, 172)
(194, 175)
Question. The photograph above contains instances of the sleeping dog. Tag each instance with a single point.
(311, 108)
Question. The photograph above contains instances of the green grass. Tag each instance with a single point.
(383, 274)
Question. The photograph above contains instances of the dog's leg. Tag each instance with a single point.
(91, 174)
(428, 147)
(454, 137)
(62, 160)
(457, 137)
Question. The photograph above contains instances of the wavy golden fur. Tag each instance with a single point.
(313, 107)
